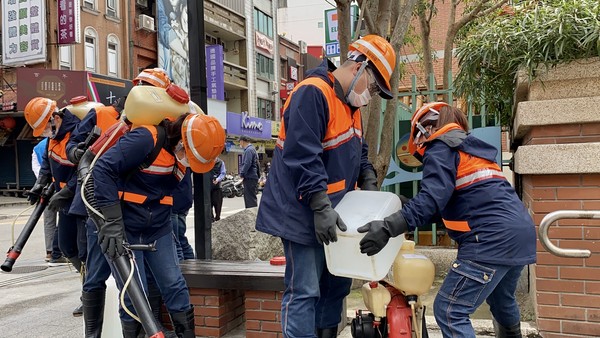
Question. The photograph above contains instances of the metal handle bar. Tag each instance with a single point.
(562, 214)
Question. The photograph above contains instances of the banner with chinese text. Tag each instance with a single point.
(215, 77)
(23, 32)
(69, 30)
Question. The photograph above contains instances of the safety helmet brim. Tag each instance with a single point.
(384, 91)
(412, 147)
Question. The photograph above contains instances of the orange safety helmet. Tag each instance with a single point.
(416, 126)
(381, 56)
(203, 139)
(38, 112)
(155, 76)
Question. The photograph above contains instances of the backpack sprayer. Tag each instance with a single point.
(124, 265)
(393, 304)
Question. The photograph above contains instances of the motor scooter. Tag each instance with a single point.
(393, 305)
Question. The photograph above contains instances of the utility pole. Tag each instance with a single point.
(197, 55)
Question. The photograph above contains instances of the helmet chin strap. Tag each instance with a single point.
(355, 79)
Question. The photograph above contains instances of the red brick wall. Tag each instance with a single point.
(567, 289)
(564, 133)
(263, 311)
(218, 312)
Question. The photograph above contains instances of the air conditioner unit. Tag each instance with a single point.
(303, 47)
(275, 87)
(142, 3)
(146, 22)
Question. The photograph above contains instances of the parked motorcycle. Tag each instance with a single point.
(232, 187)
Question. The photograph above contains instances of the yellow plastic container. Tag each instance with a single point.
(80, 106)
(376, 298)
(150, 105)
(411, 273)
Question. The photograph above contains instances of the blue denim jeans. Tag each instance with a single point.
(313, 297)
(184, 249)
(164, 266)
(465, 288)
(98, 269)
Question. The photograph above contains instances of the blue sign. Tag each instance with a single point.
(215, 75)
(332, 49)
(244, 124)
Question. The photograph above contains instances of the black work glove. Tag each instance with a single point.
(379, 232)
(33, 195)
(367, 180)
(404, 200)
(111, 234)
(326, 219)
(76, 153)
(60, 199)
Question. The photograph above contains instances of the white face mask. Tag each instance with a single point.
(359, 100)
(353, 98)
(181, 156)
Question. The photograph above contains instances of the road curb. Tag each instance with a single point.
(482, 327)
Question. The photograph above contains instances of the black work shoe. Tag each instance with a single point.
(78, 312)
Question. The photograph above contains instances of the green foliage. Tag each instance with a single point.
(531, 36)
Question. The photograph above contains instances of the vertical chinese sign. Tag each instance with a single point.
(215, 77)
(23, 32)
(68, 22)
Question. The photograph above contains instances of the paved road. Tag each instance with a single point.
(35, 300)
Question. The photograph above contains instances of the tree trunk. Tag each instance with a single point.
(343, 13)
(426, 44)
(380, 156)
(448, 44)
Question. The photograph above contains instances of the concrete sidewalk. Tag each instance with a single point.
(37, 301)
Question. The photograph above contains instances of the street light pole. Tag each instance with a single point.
(202, 209)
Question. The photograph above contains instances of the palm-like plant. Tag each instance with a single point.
(530, 36)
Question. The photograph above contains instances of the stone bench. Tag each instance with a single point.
(226, 294)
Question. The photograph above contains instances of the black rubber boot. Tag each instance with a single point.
(93, 313)
(131, 329)
(507, 332)
(327, 333)
(184, 323)
(76, 263)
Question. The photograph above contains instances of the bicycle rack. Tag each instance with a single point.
(562, 214)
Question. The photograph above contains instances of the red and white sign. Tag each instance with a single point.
(293, 73)
(263, 42)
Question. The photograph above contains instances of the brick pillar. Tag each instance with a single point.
(263, 311)
(557, 133)
(217, 311)
(567, 289)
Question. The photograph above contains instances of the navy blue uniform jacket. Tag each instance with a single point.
(501, 229)
(55, 162)
(320, 148)
(147, 194)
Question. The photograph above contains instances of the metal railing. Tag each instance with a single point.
(564, 214)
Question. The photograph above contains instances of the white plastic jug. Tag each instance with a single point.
(356, 209)
(150, 105)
